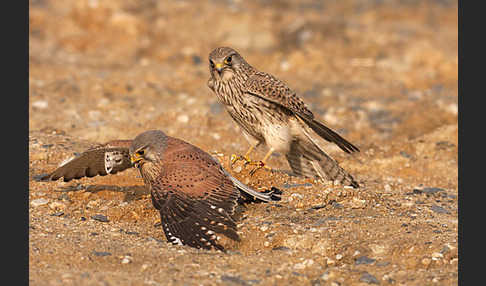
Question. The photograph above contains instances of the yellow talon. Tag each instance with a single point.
(235, 158)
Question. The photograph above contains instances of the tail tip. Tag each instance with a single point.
(353, 185)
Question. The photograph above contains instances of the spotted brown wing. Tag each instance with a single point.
(272, 89)
(110, 158)
(195, 198)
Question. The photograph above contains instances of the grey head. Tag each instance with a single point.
(225, 62)
(148, 147)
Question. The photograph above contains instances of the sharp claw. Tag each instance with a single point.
(233, 159)
(260, 165)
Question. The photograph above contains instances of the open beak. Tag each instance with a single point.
(135, 159)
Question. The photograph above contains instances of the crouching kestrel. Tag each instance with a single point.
(195, 196)
(270, 113)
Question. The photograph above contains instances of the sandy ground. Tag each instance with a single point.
(382, 73)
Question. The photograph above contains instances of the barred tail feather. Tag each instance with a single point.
(307, 159)
(329, 135)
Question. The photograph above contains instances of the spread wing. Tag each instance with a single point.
(196, 199)
(272, 89)
(109, 158)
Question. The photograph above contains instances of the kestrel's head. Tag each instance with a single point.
(224, 63)
(147, 148)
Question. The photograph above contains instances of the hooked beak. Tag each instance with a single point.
(135, 159)
(219, 67)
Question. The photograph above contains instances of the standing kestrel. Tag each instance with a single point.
(269, 112)
(195, 196)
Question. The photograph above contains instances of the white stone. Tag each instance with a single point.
(38, 202)
(41, 104)
(183, 118)
(127, 259)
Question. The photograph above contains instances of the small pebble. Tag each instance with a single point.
(183, 118)
(101, 253)
(429, 190)
(405, 154)
(304, 264)
(337, 205)
(364, 260)
(282, 248)
(57, 206)
(439, 209)
(298, 196)
(318, 207)
(38, 202)
(445, 249)
(437, 256)
(100, 217)
(233, 280)
(368, 278)
(382, 263)
(330, 262)
(131, 232)
(328, 274)
(127, 259)
(289, 186)
(57, 214)
(41, 104)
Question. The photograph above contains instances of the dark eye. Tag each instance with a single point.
(211, 64)
(228, 60)
(140, 152)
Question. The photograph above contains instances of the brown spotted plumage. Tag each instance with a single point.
(269, 112)
(195, 196)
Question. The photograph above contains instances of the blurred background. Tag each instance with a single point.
(374, 70)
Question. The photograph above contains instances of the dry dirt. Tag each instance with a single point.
(384, 74)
